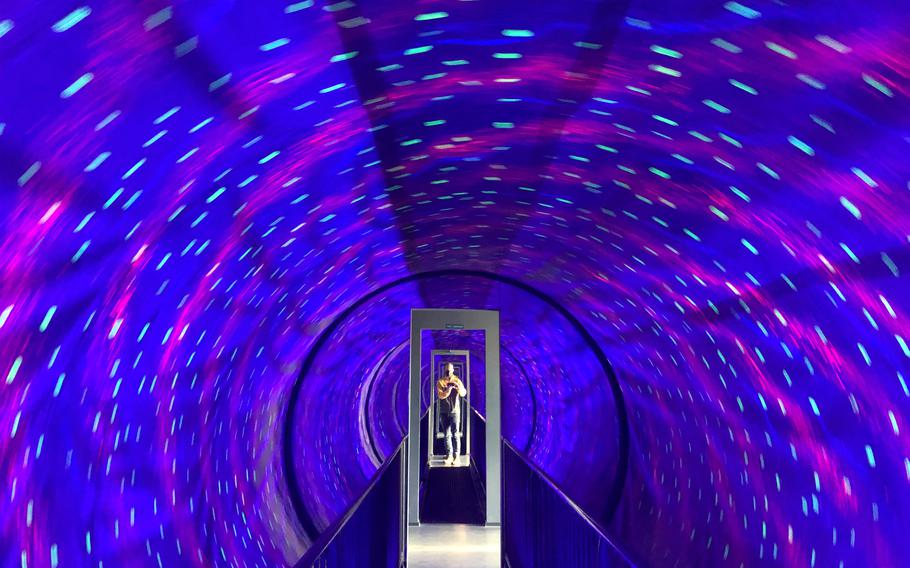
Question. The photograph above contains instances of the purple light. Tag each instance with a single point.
(191, 193)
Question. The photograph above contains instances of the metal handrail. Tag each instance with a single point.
(325, 539)
(328, 535)
(593, 523)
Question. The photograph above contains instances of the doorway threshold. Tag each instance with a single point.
(456, 546)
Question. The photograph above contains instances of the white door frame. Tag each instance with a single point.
(488, 321)
(439, 460)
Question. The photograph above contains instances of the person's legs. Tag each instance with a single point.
(449, 426)
(456, 427)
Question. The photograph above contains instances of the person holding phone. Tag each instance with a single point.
(450, 390)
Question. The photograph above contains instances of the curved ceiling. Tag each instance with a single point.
(191, 192)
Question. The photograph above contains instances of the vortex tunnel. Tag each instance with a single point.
(199, 198)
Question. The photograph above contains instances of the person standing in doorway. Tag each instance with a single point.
(450, 390)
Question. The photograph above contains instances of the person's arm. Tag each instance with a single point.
(461, 390)
(443, 389)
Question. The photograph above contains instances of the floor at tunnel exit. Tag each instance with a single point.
(444, 546)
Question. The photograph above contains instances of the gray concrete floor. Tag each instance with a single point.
(442, 546)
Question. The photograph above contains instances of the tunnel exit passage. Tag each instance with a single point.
(443, 470)
(449, 419)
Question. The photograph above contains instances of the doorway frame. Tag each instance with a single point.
(431, 417)
(456, 319)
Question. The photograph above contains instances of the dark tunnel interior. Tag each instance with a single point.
(217, 216)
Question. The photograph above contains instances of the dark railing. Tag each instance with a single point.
(542, 527)
(424, 451)
(371, 532)
(479, 444)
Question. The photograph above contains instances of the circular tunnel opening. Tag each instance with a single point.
(347, 408)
